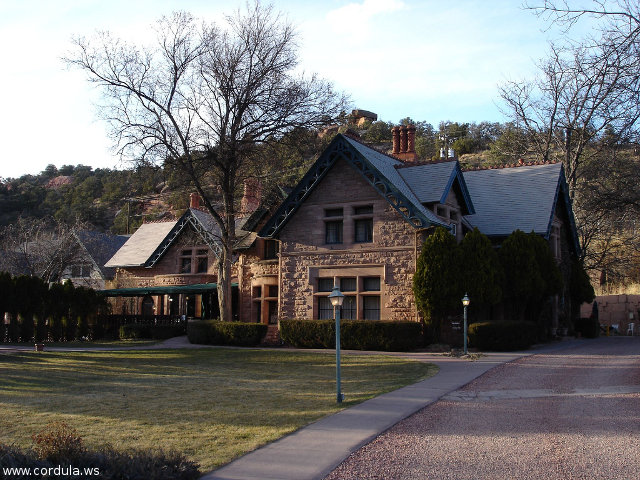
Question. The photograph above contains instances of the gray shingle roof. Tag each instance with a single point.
(507, 199)
(148, 239)
(136, 251)
(386, 166)
(429, 181)
(101, 247)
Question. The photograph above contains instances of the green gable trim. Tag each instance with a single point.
(172, 289)
(340, 148)
(457, 175)
(188, 218)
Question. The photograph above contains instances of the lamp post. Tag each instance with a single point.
(465, 302)
(336, 297)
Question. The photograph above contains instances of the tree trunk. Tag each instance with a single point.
(224, 286)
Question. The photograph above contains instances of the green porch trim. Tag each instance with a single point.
(166, 290)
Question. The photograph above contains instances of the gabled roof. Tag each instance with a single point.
(152, 240)
(101, 247)
(519, 198)
(377, 168)
(432, 181)
(137, 250)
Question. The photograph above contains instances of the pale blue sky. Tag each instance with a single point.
(431, 60)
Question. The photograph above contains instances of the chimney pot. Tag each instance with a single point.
(194, 200)
(395, 132)
(403, 139)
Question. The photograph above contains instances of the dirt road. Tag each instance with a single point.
(569, 414)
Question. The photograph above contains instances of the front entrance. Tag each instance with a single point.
(147, 306)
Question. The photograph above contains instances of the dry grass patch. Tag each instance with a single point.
(211, 404)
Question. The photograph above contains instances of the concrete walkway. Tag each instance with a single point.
(314, 451)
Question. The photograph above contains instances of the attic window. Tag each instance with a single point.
(271, 249)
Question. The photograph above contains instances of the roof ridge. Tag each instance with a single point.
(350, 134)
(520, 163)
(424, 162)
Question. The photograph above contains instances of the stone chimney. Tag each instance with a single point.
(404, 143)
(194, 201)
(251, 196)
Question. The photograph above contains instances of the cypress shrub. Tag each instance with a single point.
(14, 331)
(215, 332)
(503, 336)
(41, 328)
(70, 326)
(83, 327)
(134, 331)
(56, 328)
(354, 334)
(96, 328)
(26, 327)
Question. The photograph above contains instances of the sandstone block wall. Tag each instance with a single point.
(615, 309)
(305, 256)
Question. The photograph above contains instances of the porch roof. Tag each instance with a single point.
(142, 291)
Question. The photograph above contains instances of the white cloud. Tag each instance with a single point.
(353, 21)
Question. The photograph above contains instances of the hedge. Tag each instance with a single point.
(588, 327)
(354, 334)
(135, 331)
(215, 332)
(502, 336)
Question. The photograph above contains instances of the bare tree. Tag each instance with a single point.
(581, 94)
(39, 248)
(204, 99)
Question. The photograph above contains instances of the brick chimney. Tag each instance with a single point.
(404, 143)
(194, 201)
(251, 196)
(395, 132)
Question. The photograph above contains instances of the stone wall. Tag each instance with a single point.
(305, 256)
(615, 310)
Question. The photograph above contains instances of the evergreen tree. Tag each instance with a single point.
(436, 283)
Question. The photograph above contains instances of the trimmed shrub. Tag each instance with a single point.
(308, 333)
(354, 334)
(198, 332)
(162, 332)
(588, 327)
(502, 336)
(215, 332)
(135, 331)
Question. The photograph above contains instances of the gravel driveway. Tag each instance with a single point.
(570, 414)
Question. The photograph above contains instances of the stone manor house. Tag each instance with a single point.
(357, 219)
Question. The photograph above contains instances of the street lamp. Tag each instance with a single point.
(336, 297)
(465, 302)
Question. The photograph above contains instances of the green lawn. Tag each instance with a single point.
(211, 404)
